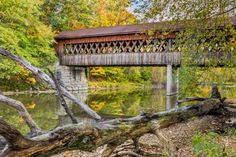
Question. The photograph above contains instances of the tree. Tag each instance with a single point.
(22, 32)
(112, 13)
(70, 14)
(208, 32)
(208, 27)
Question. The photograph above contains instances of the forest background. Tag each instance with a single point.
(27, 28)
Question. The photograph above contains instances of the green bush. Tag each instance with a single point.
(207, 145)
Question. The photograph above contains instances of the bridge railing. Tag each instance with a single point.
(130, 46)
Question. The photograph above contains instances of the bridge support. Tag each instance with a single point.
(72, 78)
(171, 101)
(61, 114)
(172, 86)
(171, 82)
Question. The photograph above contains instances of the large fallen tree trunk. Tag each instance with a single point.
(110, 132)
(43, 76)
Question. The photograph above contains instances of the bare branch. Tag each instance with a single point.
(43, 76)
(190, 99)
(61, 99)
(22, 112)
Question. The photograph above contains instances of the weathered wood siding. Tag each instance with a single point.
(122, 59)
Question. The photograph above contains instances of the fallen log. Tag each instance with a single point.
(43, 76)
(215, 94)
(188, 99)
(110, 132)
(230, 101)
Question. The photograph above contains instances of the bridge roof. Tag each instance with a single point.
(123, 30)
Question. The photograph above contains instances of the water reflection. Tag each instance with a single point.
(48, 114)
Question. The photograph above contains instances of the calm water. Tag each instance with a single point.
(48, 114)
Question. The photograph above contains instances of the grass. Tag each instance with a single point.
(213, 144)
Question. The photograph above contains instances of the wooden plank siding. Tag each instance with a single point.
(123, 59)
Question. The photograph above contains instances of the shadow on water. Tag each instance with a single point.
(48, 114)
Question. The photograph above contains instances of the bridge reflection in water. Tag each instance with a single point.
(118, 103)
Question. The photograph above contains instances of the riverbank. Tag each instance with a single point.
(29, 92)
(101, 85)
(117, 85)
(195, 137)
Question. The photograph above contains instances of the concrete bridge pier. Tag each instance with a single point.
(72, 78)
(171, 101)
(172, 86)
(171, 81)
(61, 114)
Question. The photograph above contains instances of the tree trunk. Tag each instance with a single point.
(110, 132)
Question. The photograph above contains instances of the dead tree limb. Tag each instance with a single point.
(62, 100)
(183, 112)
(22, 112)
(15, 140)
(190, 99)
(43, 76)
(230, 101)
(112, 133)
(121, 153)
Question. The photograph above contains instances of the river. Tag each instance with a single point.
(48, 114)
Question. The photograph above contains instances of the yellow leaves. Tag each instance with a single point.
(233, 42)
(25, 76)
(96, 106)
(24, 72)
(20, 120)
(31, 105)
(31, 80)
(205, 90)
(111, 13)
(97, 71)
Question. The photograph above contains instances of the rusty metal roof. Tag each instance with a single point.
(115, 30)
(123, 30)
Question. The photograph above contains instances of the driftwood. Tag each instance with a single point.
(188, 99)
(230, 101)
(43, 76)
(110, 132)
(61, 99)
(215, 94)
(22, 112)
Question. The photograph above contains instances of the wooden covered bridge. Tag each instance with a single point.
(129, 45)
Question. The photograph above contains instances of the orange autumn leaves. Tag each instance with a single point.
(25, 76)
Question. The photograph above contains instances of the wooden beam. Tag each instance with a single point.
(121, 59)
